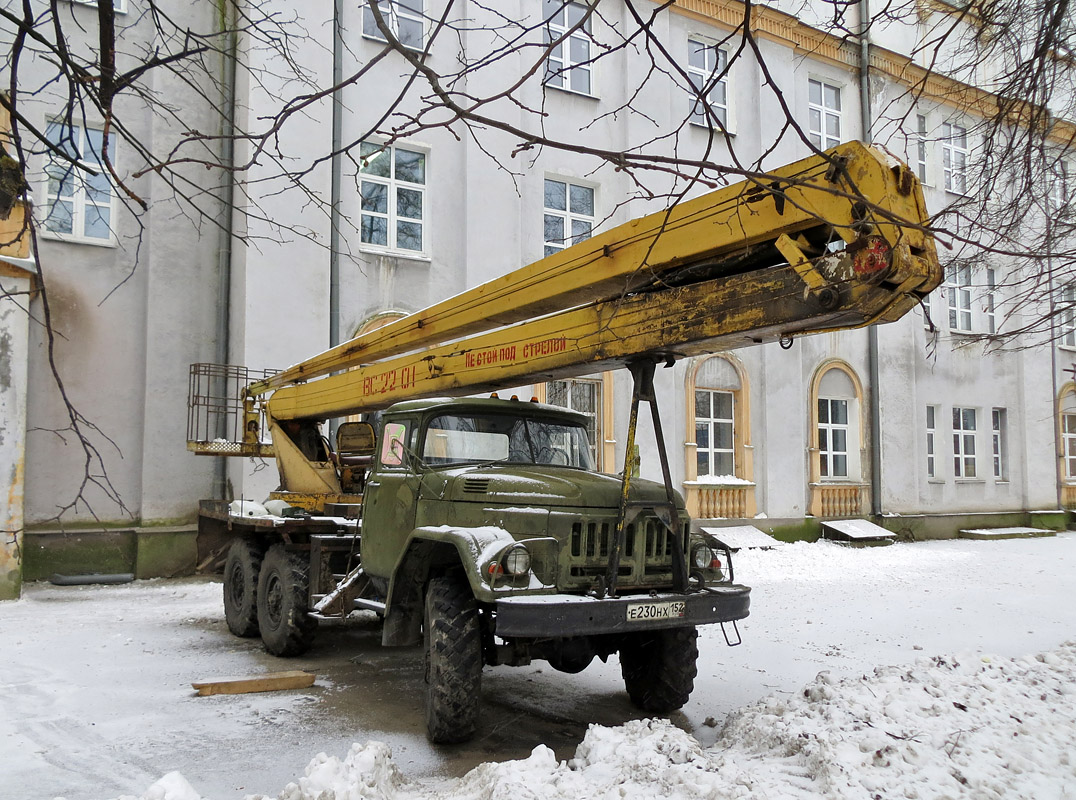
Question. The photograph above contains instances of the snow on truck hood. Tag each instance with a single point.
(546, 486)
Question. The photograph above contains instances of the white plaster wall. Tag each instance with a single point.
(14, 338)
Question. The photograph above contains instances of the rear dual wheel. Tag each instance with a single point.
(241, 569)
(287, 629)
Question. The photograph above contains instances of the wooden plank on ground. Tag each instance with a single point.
(269, 682)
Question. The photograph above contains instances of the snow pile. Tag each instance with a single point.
(982, 728)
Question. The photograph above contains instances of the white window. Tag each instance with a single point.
(569, 214)
(931, 430)
(79, 205)
(833, 437)
(568, 64)
(582, 395)
(714, 432)
(393, 189)
(921, 148)
(706, 64)
(1066, 315)
(958, 292)
(404, 18)
(825, 114)
(955, 157)
(119, 5)
(1059, 186)
(1068, 436)
(964, 442)
(988, 301)
(998, 445)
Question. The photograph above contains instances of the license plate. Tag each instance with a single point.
(668, 609)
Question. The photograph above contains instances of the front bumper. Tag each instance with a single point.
(560, 615)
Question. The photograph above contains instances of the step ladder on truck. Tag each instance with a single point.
(479, 527)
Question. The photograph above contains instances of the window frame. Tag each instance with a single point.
(825, 112)
(708, 82)
(999, 445)
(922, 152)
(958, 298)
(963, 455)
(120, 6)
(396, 11)
(950, 150)
(553, 31)
(79, 195)
(711, 421)
(393, 186)
(932, 449)
(567, 216)
(595, 417)
(828, 453)
(1067, 315)
(1068, 444)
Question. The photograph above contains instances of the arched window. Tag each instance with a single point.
(718, 468)
(1066, 423)
(837, 487)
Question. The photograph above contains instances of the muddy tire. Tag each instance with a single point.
(241, 569)
(453, 661)
(659, 668)
(285, 626)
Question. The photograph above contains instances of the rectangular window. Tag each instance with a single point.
(998, 445)
(709, 99)
(921, 147)
(1068, 436)
(833, 437)
(955, 157)
(568, 64)
(404, 18)
(569, 214)
(958, 292)
(931, 430)
(988, 301)
(1059, 186)
(119, 5)
(585, 397)
(824, 129)
(393, 189)
(714, 432)
(1066, 315)
(964, 443)
(79, 205)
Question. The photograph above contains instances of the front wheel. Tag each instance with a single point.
(453, 661)
(286, 627)
(659, 668)
(241, 569)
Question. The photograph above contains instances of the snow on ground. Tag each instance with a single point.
(966, 714)
(940, 728)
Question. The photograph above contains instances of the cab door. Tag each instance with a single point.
(390, 499)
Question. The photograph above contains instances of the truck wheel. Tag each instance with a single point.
(241, 569)
(453, 661)
(659, 668)
(286, 628)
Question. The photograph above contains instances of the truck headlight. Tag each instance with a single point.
(516, 560)
(702, 556)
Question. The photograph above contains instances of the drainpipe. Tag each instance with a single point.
(335, 189)
(224, 250)
(337, 176)
(872, 331)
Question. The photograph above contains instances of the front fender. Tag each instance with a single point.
(436, 550)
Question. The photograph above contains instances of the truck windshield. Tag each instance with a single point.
(471, 438)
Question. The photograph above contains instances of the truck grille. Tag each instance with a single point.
(645, 559)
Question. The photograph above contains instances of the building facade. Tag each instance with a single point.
(923, 424)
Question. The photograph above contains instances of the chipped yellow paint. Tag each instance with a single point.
(11, 524)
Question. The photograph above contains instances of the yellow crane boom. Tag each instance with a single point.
(731, 231)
